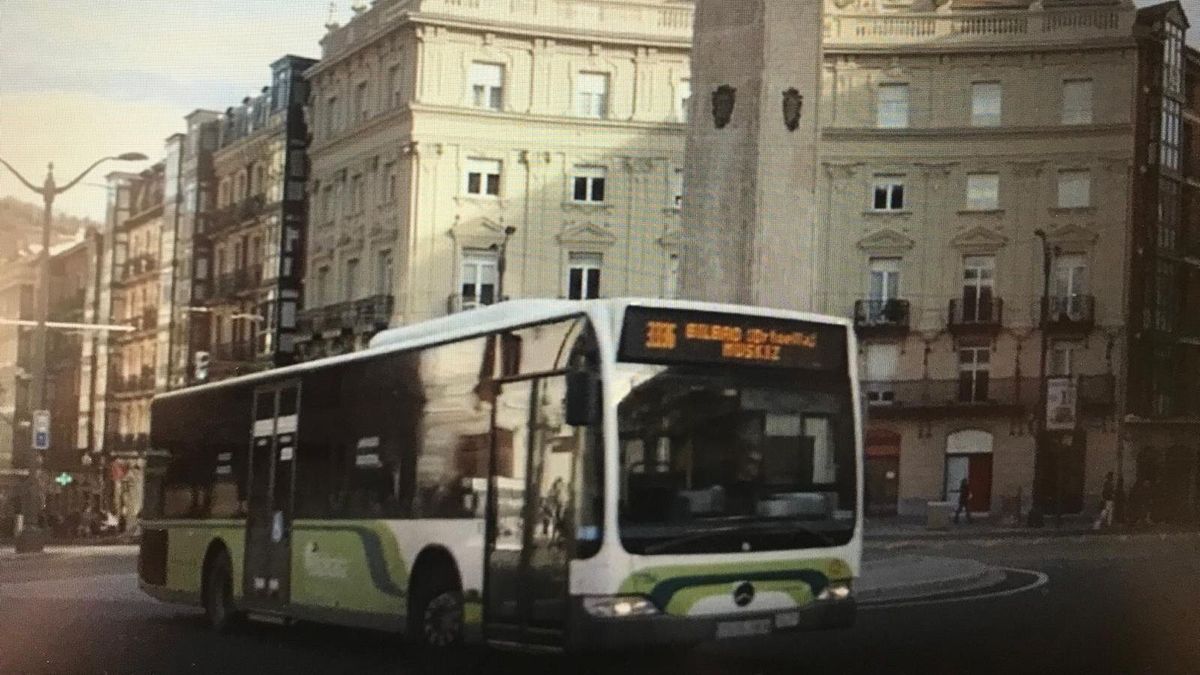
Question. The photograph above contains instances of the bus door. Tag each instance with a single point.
(268, 521)
(530, 536)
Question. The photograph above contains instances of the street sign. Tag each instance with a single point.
(41, 430)
(1060, 404)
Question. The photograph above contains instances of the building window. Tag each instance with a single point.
(881, 363)
(487, 85)
(361, 102)
(591, 95)
(1168, 214)
(389, 178)
(1070, 287)
(983, 192)
(1169, 134)
(393, 85)
(383, 273)
(356, 193)
(684, 100)
(583, 276)
(1062, 359)
(884, 280)
(1074, 189)
(986, 104)
(978, 296)
(974, 364)
(888, 193)
(1077, 102)
(483, 177)
(892, 106)
(479, 277)
(321, 295)
(351, 280)
(332, 123)
(588, 184)
(677, 188)
(671, 288)
(327, 203)
(1173, 59)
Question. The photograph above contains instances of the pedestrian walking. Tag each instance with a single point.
(1120, 503)
(1108, 494)
(964, 503)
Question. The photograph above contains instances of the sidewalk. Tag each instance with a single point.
(69, 551)
(911, 577)
(897, 529)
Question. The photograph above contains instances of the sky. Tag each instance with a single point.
(82, 79)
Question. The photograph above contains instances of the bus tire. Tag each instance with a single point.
(436, 611)
(219, 608)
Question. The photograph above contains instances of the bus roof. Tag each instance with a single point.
(497, 317)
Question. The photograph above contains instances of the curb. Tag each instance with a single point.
(983, 578)
(915, 538)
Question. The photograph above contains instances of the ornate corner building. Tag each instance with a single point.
(960, 147)
(461, 155)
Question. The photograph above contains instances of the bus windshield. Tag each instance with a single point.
(728, 458)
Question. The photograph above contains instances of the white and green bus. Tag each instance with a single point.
(539, 474)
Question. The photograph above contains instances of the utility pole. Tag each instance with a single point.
(30, 540)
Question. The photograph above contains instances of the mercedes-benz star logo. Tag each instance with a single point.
(743, 594)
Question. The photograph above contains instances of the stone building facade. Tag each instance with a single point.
(247, 256)
(462, 153)
(961, 148)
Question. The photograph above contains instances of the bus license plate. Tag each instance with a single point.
(732, 629)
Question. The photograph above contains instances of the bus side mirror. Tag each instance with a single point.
(583, 398)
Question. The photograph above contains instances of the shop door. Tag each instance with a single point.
(977, 470)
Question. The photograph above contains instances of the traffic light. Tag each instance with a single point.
(200, 366)
(64, 479)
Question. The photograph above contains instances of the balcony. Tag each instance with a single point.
(233, 351)
(981, 396)
(882, 318)
(368, 315)
(137, 268)
(975, 316)
(238, 281)
(233, 215)
(1072, 314)
(461, 303)
(1001, 27)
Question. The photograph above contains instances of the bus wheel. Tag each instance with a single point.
(437, 620)
(222, 614)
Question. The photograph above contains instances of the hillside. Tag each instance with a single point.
(21, 226)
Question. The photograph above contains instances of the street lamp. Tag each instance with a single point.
(48, 191)
(502, 262)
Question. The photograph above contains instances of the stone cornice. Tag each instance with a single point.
(1059, 132)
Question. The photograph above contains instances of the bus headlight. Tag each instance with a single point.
(619, 606)
(835, 592)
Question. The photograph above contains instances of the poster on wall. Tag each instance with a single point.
(1061, 403)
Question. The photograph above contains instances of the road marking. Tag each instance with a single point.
(1041, 579)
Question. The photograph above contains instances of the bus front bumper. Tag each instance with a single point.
(589, 632)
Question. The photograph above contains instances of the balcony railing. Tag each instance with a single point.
(975, 315)
(874, 317)
(233, 351)
(980, 395)
(978, 27)
(136, 267)
(362, 316)
(241, 279)
(1070, 313)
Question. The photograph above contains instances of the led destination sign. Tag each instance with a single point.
(680, 336)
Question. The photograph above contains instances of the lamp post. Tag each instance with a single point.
(48, 191)
(502, 262)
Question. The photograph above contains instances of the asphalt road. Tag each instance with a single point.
(1108, 605)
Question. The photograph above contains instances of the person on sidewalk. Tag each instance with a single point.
(964, 504)
(1105, 519)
